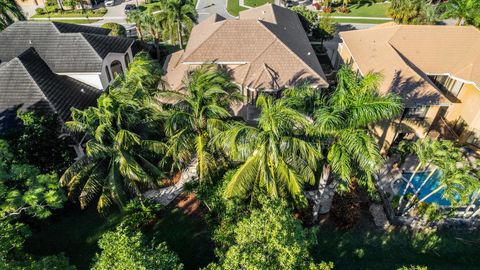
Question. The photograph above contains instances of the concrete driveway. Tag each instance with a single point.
(205, 8)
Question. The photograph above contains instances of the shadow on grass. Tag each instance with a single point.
(373, 249)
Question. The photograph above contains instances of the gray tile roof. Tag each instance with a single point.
(65, 48)
(27, 83)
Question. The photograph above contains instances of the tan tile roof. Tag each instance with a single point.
(406, 53)
(265, 48)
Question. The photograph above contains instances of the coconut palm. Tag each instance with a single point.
(198, 110)
(10, 12)
(181, 16)
(275, 157)
(445, 156)
(136, 17)
(413, 12)
(341, 121)
(154, 23)
(425, 151)
(462, 10)
(455, 183)
(121, 152)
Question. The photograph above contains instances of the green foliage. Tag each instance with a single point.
(465, 11)
(275, 158)
(123, 250)
(24, 190)
(137, 215)
(321, 28)
(10, 12)
(196, 115)
(117, 29)
(270, 238)
(413, 12)
(39, 141)
(123, 147)
(413, 267)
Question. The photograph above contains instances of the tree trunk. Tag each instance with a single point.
(410, 202)
(408, 210)
(472, 204)
(139, 31)
(399, 208)
(476, 213)
(60, 5)
(321, 189)
(180, 37)
(157, 48)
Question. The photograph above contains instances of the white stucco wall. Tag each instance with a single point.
(108, 61)
(92, 79)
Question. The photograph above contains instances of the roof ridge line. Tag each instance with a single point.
(91, 47)
(206, 38)
(288, 48)
(30, 77)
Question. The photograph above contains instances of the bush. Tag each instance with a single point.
(40, 11)
(101, 10)
(117, 29)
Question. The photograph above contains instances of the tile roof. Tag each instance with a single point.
(27, 83)
(266, 48)
(65, 48)
(405, 54)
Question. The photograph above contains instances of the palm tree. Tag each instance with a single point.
(425, 150)
(455, 182)
(444, 156)
(136, 17)
(276, 158)
(341, 126)
(122, 151)
(199, 109)
(10, 11)
(154, 24)
(181, 16)
(462, 10)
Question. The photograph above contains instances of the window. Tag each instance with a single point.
(109, 77)
(474, 137)
(116, 67)
(127, 59)
(447, 84)
(418, 112)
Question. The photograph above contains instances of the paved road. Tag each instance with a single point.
(205, 8)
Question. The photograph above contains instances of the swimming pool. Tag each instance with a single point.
(432, 184)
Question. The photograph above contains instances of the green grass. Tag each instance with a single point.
(366, 10)
(80, 21)
(367, 21)
(257, 3)
(75, 233)
(68, 15)
(371, 249)
(234, 8)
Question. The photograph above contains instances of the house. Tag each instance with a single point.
(84, 53)
(51, 67)
(266, 50)
(435, 69)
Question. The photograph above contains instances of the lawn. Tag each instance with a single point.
(366, 21)
(371, 249)
(74, 21)
(366, 10)
(234, 8)
(75, 233)
(68, 14)
(257, 3)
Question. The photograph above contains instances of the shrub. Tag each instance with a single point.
(40, 11)
(101, 10)
(117, 29)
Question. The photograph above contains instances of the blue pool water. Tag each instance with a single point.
(430, 186)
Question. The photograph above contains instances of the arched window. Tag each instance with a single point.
(109, 77)
(116, 67)
(127, 60)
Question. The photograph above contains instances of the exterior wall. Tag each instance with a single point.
(108, 61)
(467, 109)
(387, 131)
(92, 79)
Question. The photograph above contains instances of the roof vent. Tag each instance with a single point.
(264, 12)
(30, 42)
(82, 90)
(309, 53)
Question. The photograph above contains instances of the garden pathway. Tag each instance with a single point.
(166, 195)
